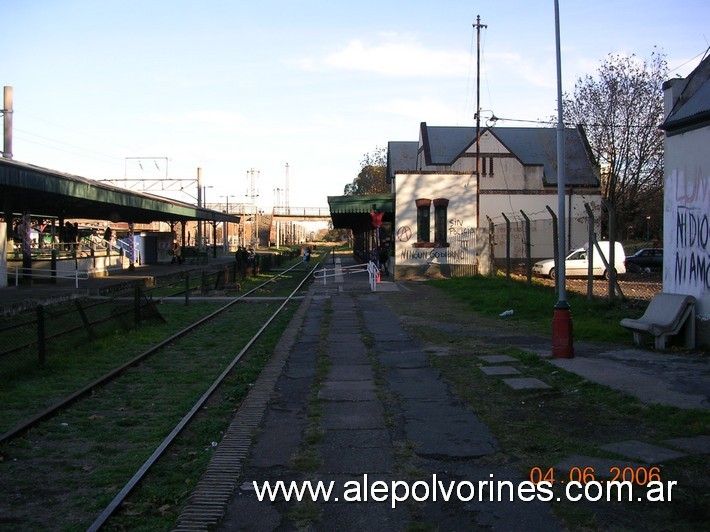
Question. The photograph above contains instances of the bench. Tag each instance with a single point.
(665, 317)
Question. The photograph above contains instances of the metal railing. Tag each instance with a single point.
(339, 271)
(43, 273)
(322, 212)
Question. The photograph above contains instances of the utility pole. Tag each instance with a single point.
(253, 193)
(478, 27)
(286, 199)
(198, 236)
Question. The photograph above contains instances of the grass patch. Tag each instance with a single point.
(533, 306)
(575, 417)
(89, 451)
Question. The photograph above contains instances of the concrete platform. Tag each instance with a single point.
(383, 409)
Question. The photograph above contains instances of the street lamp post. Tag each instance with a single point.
(562, 318)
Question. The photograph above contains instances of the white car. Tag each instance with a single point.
(577, 263)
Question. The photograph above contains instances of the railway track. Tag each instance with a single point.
(35, 435)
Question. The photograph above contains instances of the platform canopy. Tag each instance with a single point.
(49, 193)
(353, 212)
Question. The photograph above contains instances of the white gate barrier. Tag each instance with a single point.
(339, 271)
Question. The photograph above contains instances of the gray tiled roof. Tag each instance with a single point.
(692, 109)
(532, 146)
(538, 146)
(401, 157)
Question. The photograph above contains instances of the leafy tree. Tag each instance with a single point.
(621, 110)
(372, 178)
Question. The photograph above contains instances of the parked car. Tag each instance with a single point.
(647, 259)
(577, 263)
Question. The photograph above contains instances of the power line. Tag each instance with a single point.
(106, 156)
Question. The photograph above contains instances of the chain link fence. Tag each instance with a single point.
(525, 238)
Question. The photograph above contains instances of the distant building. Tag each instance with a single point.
(686, 222)
(443, 216)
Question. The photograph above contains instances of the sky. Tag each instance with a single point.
(298, 92)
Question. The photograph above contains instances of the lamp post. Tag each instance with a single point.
(562, 318)
(225, 232)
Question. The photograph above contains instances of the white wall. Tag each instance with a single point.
(460, 190)
(686, 218)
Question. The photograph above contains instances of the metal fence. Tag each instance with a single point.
(520, 241)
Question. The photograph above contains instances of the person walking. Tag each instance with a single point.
(384, 257)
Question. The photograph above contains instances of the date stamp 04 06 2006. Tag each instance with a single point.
(621, 478)
(584, 475)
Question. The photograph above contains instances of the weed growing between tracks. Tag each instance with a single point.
(75, 362)
(68, 469)
(574, 417)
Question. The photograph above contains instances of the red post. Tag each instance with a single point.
(562, 332)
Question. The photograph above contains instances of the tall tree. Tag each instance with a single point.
(372, 178)
(621, 110)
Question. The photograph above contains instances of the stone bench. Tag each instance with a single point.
(665, 316)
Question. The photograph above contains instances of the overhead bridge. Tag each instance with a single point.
(305, 214)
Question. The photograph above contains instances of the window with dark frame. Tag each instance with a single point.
(423, 215)
(441, 206)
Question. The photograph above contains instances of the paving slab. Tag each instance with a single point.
(347, 391)
(437, 351)
(300, 370)
(499, 370)
(405, 345)
(354, 415)
(280, 436)
(351, 372)
(366, 439)
(403, 359)
(342, 337)
(526, 383)
(498, 359)
(651, 454)
(649, 387)
(692, 445)
(355, 461)
(443, 429)
(348, 355)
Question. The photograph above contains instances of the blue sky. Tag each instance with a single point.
(233, 85)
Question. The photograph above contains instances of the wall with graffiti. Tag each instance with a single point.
(436, 232)
(686, 266)
(686, 256)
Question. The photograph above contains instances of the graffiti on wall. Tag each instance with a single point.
(459, 249)
(462, 236)
(691, 231)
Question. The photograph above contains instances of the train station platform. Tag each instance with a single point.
(350, 397)
(23, 297)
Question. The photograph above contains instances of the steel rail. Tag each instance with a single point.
(120, 497)
(27, 424)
